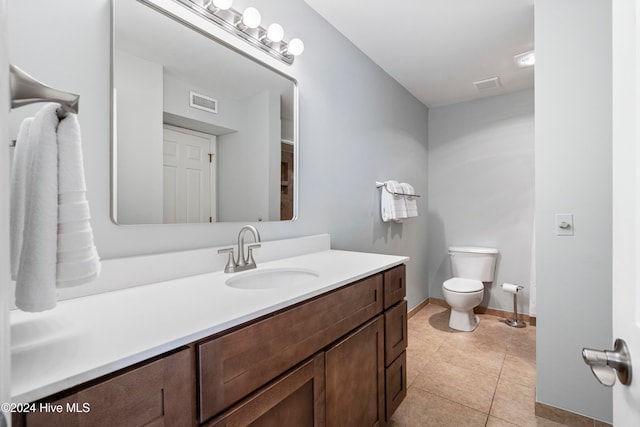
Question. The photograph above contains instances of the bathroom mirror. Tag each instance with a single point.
(201, 132)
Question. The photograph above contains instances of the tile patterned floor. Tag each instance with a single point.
(483, 378)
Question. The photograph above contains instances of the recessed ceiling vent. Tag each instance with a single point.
(486, 84)
(203, 102)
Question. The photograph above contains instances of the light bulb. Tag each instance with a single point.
(296, 47)
(223, 4)
(275, 33)
(251, 17)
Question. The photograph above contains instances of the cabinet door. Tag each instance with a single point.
(159, 393)
(355, 378)
(294, 400)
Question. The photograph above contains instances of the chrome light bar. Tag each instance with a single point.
(246, 25)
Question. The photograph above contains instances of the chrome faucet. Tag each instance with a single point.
(244, 262)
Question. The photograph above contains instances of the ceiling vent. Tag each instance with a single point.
(203, 102)
(486, 84)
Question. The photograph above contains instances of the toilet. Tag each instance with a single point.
(471, 266)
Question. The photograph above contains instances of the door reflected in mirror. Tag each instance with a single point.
(201, 133)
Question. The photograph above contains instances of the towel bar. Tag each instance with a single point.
(26, 90)
(384, 184)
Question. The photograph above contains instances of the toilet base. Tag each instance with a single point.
(465, 321)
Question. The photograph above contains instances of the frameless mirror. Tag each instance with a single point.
(201, 132)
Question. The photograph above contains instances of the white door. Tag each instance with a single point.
(188, 174)
(626, 199)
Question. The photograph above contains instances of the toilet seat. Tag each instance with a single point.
(459, 284)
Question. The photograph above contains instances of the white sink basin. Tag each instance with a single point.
(272, 278)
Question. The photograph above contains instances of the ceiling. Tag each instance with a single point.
(437, 48)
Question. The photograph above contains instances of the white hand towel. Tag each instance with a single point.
(35, 279)
(411, 202)
(393, 207)
(77, 257)
(399, 206)
(52, 246)
(18, 193)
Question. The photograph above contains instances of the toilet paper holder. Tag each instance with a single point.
(514, 289)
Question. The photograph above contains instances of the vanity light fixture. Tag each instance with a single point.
(526, 59)
(246, 25)
(250, 18)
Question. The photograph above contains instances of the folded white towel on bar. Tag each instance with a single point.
(52, 245)
(411, 202)
(393, 207)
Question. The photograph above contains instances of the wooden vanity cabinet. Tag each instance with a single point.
(337, 359)
(154, 393)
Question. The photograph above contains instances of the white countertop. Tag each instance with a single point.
(85, 338)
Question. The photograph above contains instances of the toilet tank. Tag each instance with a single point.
(472, 262)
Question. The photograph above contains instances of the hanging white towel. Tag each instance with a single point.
(45, 251)
(18, 193)
(393, 207)
(35, 276)
(411, 202)
(78, 261)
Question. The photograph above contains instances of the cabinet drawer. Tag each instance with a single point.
(157, 393)
(294, 400)
(395, 286)
(395, 332)
(233, 365)
(396, 384)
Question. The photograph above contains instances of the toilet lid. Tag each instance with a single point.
(458, 284)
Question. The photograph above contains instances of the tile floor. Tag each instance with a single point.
(483, 378)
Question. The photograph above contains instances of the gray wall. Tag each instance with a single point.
(573, 175)
(481, 188)
(139, 92)
(245, 162)
(357, 125)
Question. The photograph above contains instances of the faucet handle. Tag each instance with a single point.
(250, 255)
(231, 262)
